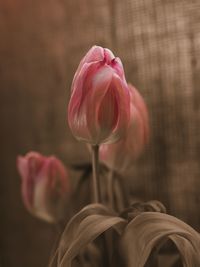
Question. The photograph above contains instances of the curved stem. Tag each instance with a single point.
(95, 176)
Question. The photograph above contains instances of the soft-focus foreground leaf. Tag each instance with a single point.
(83, 228)
(150, 229)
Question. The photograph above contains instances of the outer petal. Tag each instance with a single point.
(93, 102)
(108, 113)
(22, 166)
(135, 139)
(57, 176)
(108, 56)
(27, 184)
(51, 191)
(118, 67)
(76, 110)
(108, 154)
(123, 101)
(40, 201)
(138, 102)
(121, 155)
(29, 168)
(83, 117)
(95, 54)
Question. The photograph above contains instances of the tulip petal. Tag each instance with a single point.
(118, 67)
(77, 108)
(83, 103)
(138, 102)
(22, 166)
(95, 54)
(108, 56)
(57, 176)
(108, 111)
(122, 98)
(100, 125)
(115, 123)
(121, 155)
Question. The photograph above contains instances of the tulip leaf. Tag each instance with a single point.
(71, 228)
(85, 227)
(90, 228)
(149, 229)
(190, 257)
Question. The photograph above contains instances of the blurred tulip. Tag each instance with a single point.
(45, 185)
(99, 108)
(121, 155)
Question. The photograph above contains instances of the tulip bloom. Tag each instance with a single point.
(99, 107)
(45, 185)
(120, 156)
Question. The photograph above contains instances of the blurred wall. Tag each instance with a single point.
(41, 45)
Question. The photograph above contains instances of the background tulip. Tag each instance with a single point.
(99, 107)
(121, 155)
(45, 185)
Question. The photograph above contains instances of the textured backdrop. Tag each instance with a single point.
(41, 44)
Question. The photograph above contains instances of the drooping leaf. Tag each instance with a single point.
(89, 229)
(72, 226)
(190, 257)
(149, 229)
(82, 229)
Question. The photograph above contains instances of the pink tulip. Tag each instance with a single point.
(45, 185)
(99, 108)
(121, 155)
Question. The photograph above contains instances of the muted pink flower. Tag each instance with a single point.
(45, 185)
(99, 107)
(121, 155)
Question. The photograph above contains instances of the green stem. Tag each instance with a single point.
(95, 176)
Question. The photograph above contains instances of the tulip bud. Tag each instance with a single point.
(45, 185)
(99, 107)
(121, 155)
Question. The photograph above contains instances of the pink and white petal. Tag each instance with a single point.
(41, 201)
(95, 54)
(35, 164)
(27, 188)
(123, 101)
(25, 162)
(108, 113)
(135, 139)
(100, 85)
(76, 109)
(22, 166)
(108, 56)
(57, 176)
(118, 67)
(138, 101)
(107, 154)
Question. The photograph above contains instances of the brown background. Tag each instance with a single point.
(41, 44)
